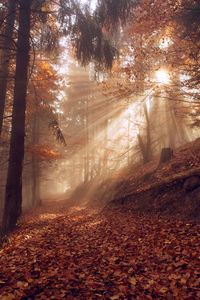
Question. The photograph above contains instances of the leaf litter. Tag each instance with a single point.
(57, 252)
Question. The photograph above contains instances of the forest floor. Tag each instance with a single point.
(143, 245)
(63, 252)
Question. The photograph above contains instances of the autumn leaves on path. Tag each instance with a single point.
(86, 254)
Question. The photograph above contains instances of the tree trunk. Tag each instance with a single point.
(145, 146)
(86, 143)
(105, 155)
(166, 155)
(142, 148)
(35, 167)
(13, 198)
(148, 135)
(5, 56)
(128, 141)
(35, 183)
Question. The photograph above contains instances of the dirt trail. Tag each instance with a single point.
(62, 252)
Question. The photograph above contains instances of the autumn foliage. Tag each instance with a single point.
(63, 253)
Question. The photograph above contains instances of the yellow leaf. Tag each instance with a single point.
(2, 282)
(183, 280)
(132, 280)
(44, 8)
(49, 72)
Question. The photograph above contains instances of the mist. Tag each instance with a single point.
(107, 133)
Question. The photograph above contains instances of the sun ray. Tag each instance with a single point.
(162, 76)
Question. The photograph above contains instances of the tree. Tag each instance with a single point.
(161, 36)
(145, 142)
(41, 119)
(5, 55)
(13, 198)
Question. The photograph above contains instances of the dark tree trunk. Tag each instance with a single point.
(5, 56)
(13, 199)
(166, 154)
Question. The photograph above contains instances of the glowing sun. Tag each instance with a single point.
(162, 76)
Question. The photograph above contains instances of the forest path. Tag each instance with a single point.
(63, 252)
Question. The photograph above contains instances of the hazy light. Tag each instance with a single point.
(184, 77)
(59, 111)
(162, 76)
(48, 216)
(164, 43)
(92, 3)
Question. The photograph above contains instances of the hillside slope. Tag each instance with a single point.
(172, 188)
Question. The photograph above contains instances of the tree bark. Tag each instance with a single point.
(35, 167)
(13, 198)
(166, 154)
(5, 56)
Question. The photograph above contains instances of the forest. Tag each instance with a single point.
(100, 149)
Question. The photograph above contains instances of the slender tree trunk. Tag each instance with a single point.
(35, 183)
(13, 198)
(148, 135)
(105, 157)
(5, 56)
(145, 147)
(142, 148)
(128, 142)
(35, 167)
(86, 143)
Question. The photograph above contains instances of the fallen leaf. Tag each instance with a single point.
(132, 280)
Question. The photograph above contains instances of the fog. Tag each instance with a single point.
(107, 132)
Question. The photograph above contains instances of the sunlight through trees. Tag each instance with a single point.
(90, 88)
(162, 76)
